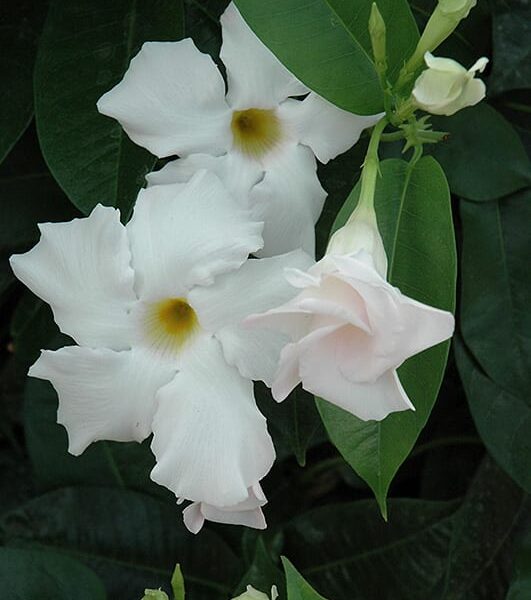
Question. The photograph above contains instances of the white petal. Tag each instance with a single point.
(210, 441)
(473, 93)
(325, 128)
(289, 201)
(82, 269)
(441, 63)
(171, 101)
(434, 90)
(248, 513)
(321, 375)
(257, 286)
(479, 65)
(238, 175)
(184, 234)
(103, 394)
(256, 78)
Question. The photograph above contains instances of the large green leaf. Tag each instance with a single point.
(436, 550)
(262, 573)
(26, 575)
(521, 584)
(85, 49)
(130, 540)
(297, 587)
(496, 289)
(415, 220)
(503, 419)
(326, 44)
(19, 27)
(483, 157)
(103, 463)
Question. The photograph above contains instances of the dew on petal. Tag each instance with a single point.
(256, 131)
(171, 323)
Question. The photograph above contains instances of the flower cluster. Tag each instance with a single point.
(213, 284)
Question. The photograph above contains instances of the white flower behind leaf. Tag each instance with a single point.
(172, 100)
(446, 87)
(350, 329)
(155, 308)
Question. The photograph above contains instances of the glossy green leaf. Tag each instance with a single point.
(130, 540)
(32, 575)
(84, 51)
(521, 583)
(20, 23)
(440, 550)
(103, 463)
(297, 587)
(483, 157)
(503, 419)
(326, 44)
(496, 289)
(415, 220)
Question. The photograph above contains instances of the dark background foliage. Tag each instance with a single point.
(96, 526)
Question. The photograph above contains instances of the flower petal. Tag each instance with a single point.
(238, 175)
(82, 269)
(210, 441)
(289, 201)
(248, 513)
(321, 375)
(255, 287)
(103, 394)
(184, 234)
(256, 78)
(171, 101)
(326, 128)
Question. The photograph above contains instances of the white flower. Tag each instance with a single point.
(446, 86)
(160, 348)
(351, 329)
(253, 594)
(172, 101)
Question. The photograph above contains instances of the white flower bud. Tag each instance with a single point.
(446, 86)
(252, 594)
(360, 233)
(456, 8)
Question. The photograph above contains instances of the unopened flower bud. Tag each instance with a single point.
(446, 86)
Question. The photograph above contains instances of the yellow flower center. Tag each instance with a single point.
(171, 324)
(255, 131)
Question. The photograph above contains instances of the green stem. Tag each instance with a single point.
(370, 170)
(396, 136)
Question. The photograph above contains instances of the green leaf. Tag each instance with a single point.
(29, 575)
(496, 290)
(19, 27)
(435, 550)
(415, 220)
(298, 588)
(202, 24)
(262, 573)
(521, 584)
(348, 551)
(511, 68)
(84, 51)
(483, 158)
(130, 540)
(295, 422)
(177, 583)
(103, 463)
(326, 44)
(503, 420)
(481, 536)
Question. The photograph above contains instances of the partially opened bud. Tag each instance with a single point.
(446, 86)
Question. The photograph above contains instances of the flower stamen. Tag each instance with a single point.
(171, 323)
(255, 131)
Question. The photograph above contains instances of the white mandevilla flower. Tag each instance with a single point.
(160, 346)
(446, 87)
(257, 138)
(351, 329)
(253, 594)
